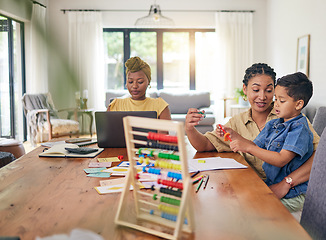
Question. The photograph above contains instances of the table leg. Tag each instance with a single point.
(91, 122)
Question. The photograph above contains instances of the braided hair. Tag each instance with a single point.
(258, 69)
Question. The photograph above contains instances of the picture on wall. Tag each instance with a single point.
(303, 51)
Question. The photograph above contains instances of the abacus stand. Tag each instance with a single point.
(185, 210)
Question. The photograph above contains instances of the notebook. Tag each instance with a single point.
(109, 127)
(59, 150)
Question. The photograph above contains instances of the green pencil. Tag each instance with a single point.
(200, 183)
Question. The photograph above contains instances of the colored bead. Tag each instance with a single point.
(155, 196)
(172, 192)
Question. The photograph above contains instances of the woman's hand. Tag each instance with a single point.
(193, 118)
(280, 189)
(219, 130)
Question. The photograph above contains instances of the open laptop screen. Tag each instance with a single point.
(109, 127)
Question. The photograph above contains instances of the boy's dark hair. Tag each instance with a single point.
(298, 86)
(258, 69)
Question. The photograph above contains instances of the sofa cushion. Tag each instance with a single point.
(61, 126)
(204, 128)
(111, 94)
(181, 101)
(309, 111)
(208, 120)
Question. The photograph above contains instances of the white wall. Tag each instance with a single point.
(288, 20)
(20, 10)
(59, 30)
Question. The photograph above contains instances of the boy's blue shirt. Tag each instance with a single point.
(293, 135)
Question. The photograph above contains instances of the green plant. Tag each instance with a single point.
(239, 93)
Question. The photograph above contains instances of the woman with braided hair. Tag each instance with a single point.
(138, 80)
(258, 85)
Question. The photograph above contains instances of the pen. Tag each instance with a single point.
(194, 174)
(200, 183)
(207, 177)
(196, 180)
(225, 133)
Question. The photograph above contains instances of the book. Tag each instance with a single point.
(78, 140)
(58, 150)
(80, 144)
(92, 141)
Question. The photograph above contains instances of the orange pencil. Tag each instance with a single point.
(226, 135)
(196, 180)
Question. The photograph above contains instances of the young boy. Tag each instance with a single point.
(285, 143)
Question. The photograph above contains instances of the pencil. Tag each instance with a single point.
(207, 177)
(194, 174)
(225, 133)
(196, 180)
(200, 183)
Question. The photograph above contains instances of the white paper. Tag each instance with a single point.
(213, 163)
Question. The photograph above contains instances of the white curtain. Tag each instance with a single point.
(235, 48)
(38, 81)
(86, 55)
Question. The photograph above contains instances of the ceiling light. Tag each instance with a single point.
(154, 19)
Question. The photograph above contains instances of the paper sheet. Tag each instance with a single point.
(213, 163)
(109, 159)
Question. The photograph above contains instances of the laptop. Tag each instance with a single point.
(109, 127)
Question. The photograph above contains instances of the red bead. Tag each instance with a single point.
(120, 157)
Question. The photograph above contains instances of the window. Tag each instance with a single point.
(144, 45)
(11, 77)
(179, 58)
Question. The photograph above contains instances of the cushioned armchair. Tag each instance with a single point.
(314, 209)
(43, 121)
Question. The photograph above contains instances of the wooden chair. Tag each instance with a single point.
(313, 217)
(43, 120)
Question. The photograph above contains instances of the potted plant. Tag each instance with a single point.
(241, 97)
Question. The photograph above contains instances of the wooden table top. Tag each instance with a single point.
(47, 196)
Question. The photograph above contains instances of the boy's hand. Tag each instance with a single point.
(241, 145)
(193, 117)
(238, 143)
(232, 134)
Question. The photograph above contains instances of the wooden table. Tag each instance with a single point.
(46, 196)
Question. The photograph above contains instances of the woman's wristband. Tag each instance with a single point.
(289, 180)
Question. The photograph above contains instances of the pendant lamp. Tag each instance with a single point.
(154, 19)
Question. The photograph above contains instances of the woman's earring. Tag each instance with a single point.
(149, 86)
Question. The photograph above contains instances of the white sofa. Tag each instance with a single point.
(179, 103)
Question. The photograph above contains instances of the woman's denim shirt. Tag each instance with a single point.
(293, 135)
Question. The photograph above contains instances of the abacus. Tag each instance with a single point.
(164, 211)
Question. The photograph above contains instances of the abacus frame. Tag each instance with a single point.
(185, 208)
